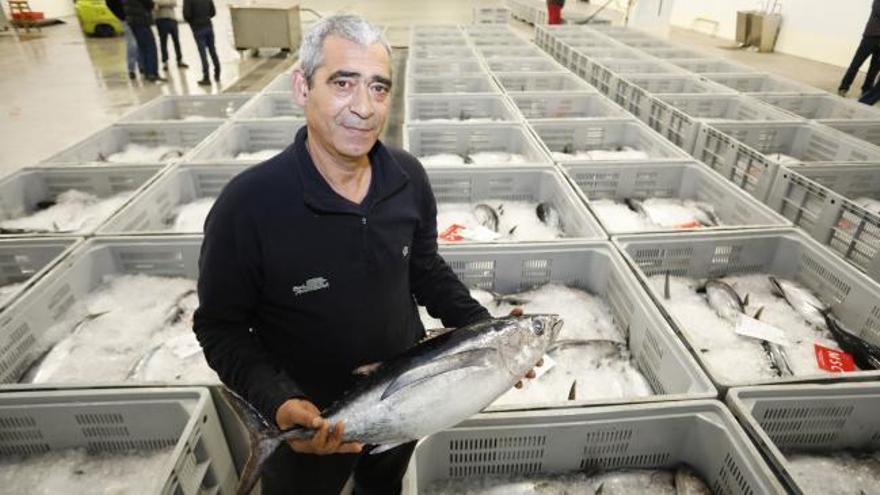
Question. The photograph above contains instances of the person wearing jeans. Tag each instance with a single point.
(166, 23)
(139, 17)
(132, 57)
(868, 47)
(198, 14)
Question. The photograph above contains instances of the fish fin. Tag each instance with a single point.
(366, 369)
(572, 392)
(511, 231)
(758, 313)
(666, 294)
(385, 447)
(434, 333)
(776, 289)
(745, 301)
(264, 439)
(454, 362)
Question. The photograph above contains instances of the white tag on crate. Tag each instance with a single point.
(756, 329)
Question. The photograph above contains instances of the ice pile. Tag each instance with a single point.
(682, 480)
(133, 327)
(654, 214)
(870, 204)
(463, 118)
(734, 358)
(75, 471)
(592, 359)
(190, 217)
(784, 159)
(837, 473)
(258, 155)
(517, 221)
(478, 158)
(139, 153)
(618, 153)
(72, 211)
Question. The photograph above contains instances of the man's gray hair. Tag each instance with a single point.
(351, 27)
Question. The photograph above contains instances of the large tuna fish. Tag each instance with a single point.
(432, 386)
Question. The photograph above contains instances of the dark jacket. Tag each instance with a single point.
(138, 12)
(198, 13)
(325, 284)
(873, 26)
(117, 8)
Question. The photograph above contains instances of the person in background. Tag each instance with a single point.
(166, 23)
(132, 57)
(868, 47)
(554, 11)
(198, 14)
(139, 16)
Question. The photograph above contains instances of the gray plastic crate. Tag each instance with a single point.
(517, 64)
(535, 184)
(462, 108)
(28, 318)
(271, 106)
(506, 40)
(570, 135)
(808, 418)
(597, 268)
(152, 210)
(740, 151)
(22, 191)
(437, 39)
(246, 136)
(492, 51)
(562, 105)
(821, 200)
(703, 434)
(474, 84)
(634, 93)
(762, 83)
(441, 52)
(822, 107)
(514, 82)
(283, 83)
(665, 52)
(119, 420)
(432, 139)
(628, 66)
(445, 67)
(436, 28)
(785, 253)
(703, 65)
(867, 131)
(189, 107)
(24, 261)
(679, 117)
(93, 149)
(682, 180)
(491, 15)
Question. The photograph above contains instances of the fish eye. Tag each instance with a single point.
(539, 327)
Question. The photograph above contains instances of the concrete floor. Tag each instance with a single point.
(62, 86)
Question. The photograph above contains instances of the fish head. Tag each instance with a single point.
(526, 339)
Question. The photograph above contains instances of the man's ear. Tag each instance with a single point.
(300, 88)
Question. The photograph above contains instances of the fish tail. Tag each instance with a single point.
(264, 436)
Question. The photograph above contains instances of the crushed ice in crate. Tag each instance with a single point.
(620, 153)
(76, 471)
(190, 217)
(469, 120)
(6, 291)
(72, 211)
(442, 159)
(517, 221)
(260, 155)
(835, 473)
(133, 327)
(731, 357)
(654, 214)
(196, 118)
(602, 367)
(680, 480)
(870, 204)
(139, 153)
(784, 159)
(478, 158)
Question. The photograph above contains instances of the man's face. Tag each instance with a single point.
(349, 98)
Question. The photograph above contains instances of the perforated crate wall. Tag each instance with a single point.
(189, 107)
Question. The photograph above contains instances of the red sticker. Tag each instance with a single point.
(693, 224)
(834, 360)
(453, 233)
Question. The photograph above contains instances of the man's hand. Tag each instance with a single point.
(300, 412)
(531, 374)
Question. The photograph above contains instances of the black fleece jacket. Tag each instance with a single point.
(299, 286)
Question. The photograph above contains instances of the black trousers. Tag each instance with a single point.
(289, 473)
(168, 27)
(869, 47)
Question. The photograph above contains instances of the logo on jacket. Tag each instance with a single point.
(405, 251)
(311, 285)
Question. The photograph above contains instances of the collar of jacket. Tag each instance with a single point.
(387, 178)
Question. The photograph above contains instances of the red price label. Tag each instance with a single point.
(452, 233)
(834, 360)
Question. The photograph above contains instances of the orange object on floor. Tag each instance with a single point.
(554, 14)
(22, 15)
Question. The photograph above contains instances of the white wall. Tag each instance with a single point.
(823, 30)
